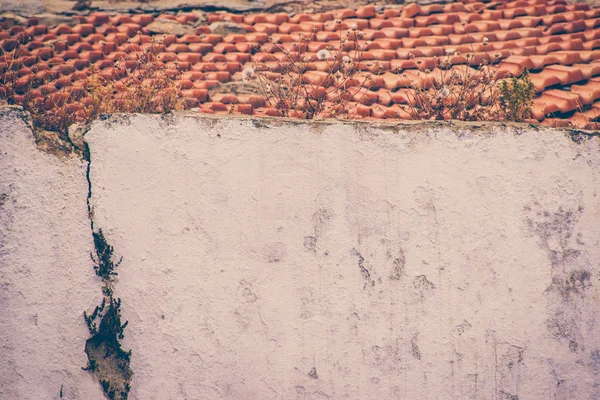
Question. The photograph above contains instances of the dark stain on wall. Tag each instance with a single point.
(414, 347)
(571, 272)
(369, 281)
(398, 266)
(422, 283)
(310, 243)
(320, 220)
(509, 362)
(563, 325)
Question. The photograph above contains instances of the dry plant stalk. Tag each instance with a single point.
(9, 73)
(284, 86)
(50, 109)
(467, 91)
(453, 92)
(142, 84)
(146, 86)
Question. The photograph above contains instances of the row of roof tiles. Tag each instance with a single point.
(558, 42)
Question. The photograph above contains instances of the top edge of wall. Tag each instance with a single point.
(479, 128)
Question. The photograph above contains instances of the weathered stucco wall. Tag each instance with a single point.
(46, 276)
(265, 259)
(275, 260)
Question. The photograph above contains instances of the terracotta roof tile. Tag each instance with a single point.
(558, 42)
(555, 75)
(555, 102)
(407, 12)
(589, 56)
(589, 93)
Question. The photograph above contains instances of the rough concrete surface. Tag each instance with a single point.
(46, 276)
(283, 260)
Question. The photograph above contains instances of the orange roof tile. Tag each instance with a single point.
(558, 42)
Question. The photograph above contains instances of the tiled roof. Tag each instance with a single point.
(558, 42)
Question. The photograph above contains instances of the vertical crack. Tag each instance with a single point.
(87, 157)
(107, 360)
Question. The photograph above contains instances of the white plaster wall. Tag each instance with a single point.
(275, 260)
(46, 276)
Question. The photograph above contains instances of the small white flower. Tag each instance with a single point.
(485, 39)
(444, 92)
(323, 54)
(353, 27)
(248, 73)
(346, 59)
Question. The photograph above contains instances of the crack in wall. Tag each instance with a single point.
(107, 361)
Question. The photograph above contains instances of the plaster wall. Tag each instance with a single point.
(46, 276)
(271, 259)
(285, 260)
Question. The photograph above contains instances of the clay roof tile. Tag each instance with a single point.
(558, 42)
